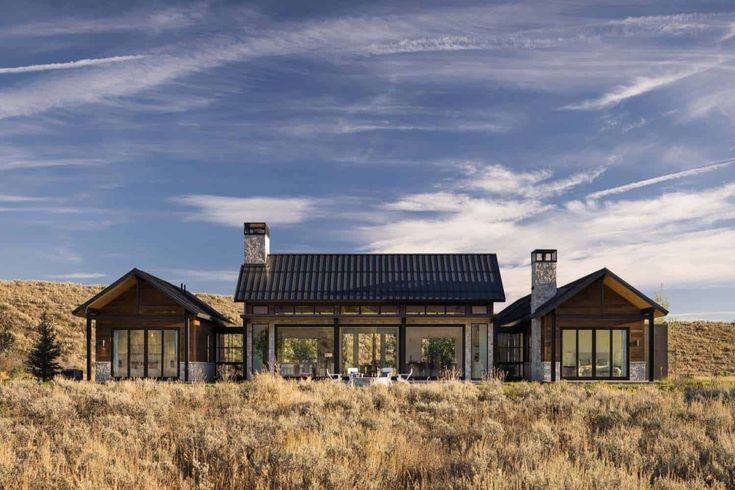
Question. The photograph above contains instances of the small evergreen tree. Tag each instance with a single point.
(42, 360)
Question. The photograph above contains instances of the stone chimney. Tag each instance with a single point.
(257, 243)
(543, 277)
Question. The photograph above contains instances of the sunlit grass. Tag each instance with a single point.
(272, 433)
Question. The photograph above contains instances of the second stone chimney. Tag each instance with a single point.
(257, 243)
(543, 277)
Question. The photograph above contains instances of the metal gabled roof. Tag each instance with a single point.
(372, 277)
(187, 300)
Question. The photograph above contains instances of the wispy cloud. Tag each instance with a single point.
(640, 86)
(72, 276)
(711, 167)
(68, 65)
(234, 211)
(229, 275)
(139, 20)
(10, 198)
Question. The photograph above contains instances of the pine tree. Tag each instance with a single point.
(42, 360)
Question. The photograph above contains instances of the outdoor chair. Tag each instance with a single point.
(353, 373)
(334, 376)
(385, 376)
(403, 378)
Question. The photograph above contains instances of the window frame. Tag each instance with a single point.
(594, 376)
(145, 331)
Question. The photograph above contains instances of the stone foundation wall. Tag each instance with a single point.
(638, 371)
(198, 371)
(102, 371)
(547, 371)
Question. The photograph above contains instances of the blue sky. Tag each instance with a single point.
(144, 134)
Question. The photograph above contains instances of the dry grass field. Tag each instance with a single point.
(272, 433)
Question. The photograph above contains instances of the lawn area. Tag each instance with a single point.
(272, 433)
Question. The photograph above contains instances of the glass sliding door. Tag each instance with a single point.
(619, 354)
(509, 354)
(479, 350)
(155, 353)
(139, 353)
(260, 348)
(369, 349)
(305, 351)
(595, 354)
(120, 354)
(434, 351)
(170, 354)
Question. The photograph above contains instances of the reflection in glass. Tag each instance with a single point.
(569, 353)
(479, 350)
(585, 353)
(305, 351)
(170, 350)
(260, 348)
(137, 353)
(619, 353)
(155, 345)
(602, 353)
(369, 349)
(120, 354)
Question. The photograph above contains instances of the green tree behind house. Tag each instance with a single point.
(42, 359)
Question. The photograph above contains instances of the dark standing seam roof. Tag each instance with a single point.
(187, 300)
(520, 310)
(372, 277)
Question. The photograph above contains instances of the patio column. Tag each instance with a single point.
(467, 351)
(89, 348)
(249, 350)
(336, 356)
(272, 347)
(187, 330)
(651, 337)
(490, 348)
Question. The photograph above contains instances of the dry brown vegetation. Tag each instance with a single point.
(272, 433)
(702, 348)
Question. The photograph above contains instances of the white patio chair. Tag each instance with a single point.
(353, 373)
(403, 378)
(334, 376)
(385, 377)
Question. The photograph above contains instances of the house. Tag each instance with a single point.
(431, 315)
(145, 327)
(597, 327)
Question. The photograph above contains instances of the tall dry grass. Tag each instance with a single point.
(272, 433)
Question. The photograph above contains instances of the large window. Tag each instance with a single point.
(229, 348)
(510, 354)
(369, 349)
(593, 354)
(141, 353)
(434, 351)
(260, 348)
(479, 350)
(305, 351)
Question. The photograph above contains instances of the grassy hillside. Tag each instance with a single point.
(23, 302)
(272, 433)
(696, 348)
(702, 348)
